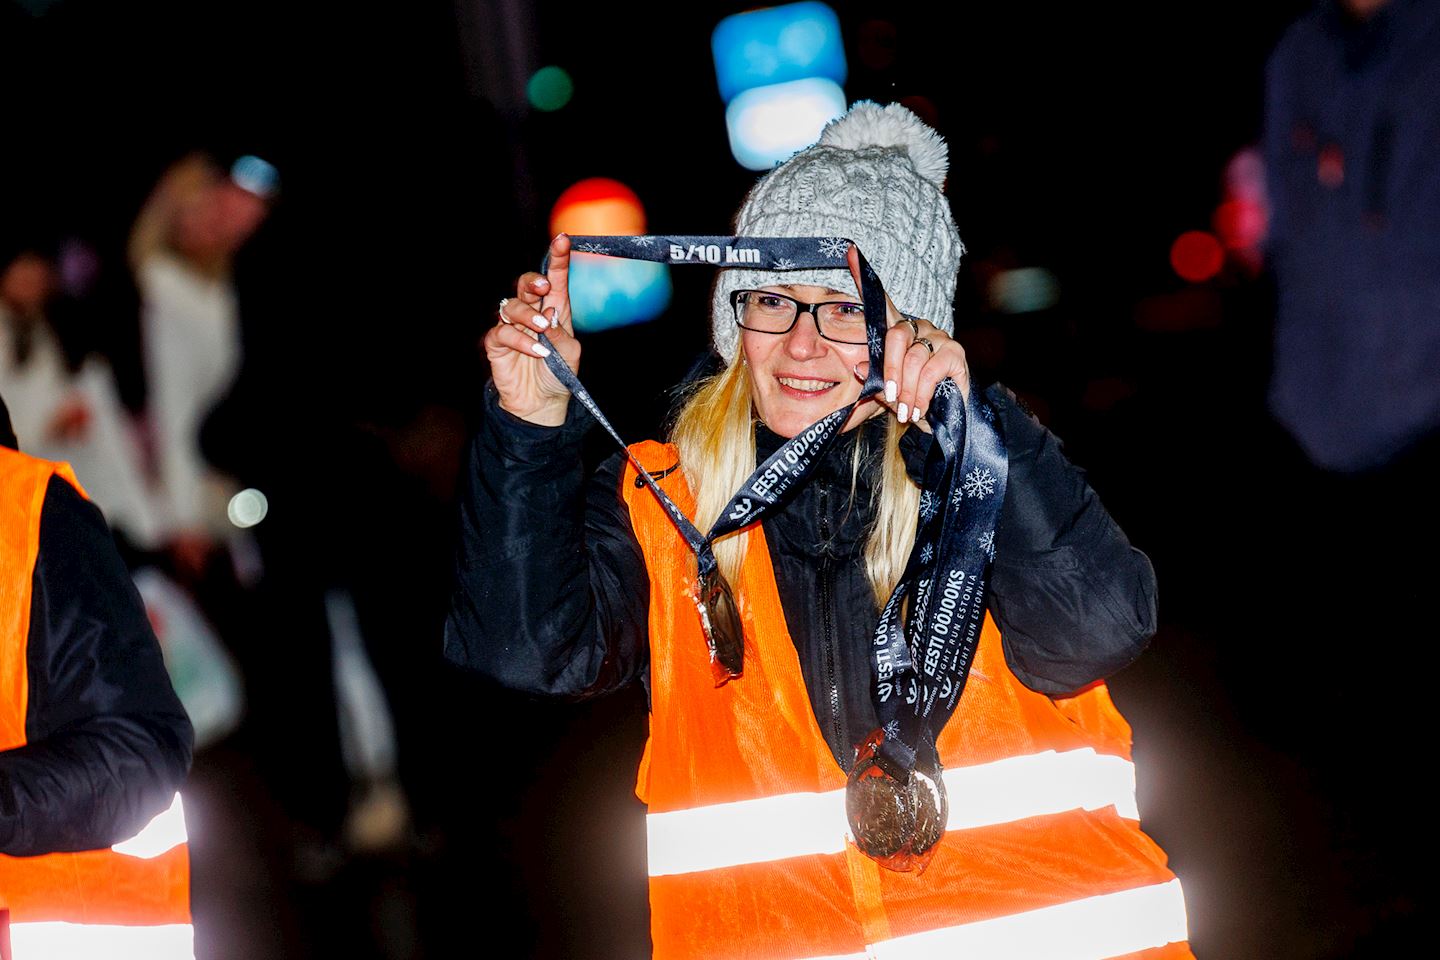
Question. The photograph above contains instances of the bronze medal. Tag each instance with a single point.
(881, 813)
(896, 817)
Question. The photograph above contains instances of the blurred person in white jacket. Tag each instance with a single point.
(182, 248)
(67, 410)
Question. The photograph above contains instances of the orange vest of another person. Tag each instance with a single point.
(748, 855)
(131, 901)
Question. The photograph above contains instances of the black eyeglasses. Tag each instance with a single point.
(766, 312)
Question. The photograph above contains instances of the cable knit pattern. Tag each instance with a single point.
(874, 177)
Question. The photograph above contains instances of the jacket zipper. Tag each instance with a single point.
(827, 618)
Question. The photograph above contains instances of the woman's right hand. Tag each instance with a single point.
(541, 303)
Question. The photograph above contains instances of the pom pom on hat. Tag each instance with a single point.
(874, 176)
(871, 125)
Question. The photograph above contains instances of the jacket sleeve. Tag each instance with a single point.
(108, 743)
(551, 594)
(1075, 602)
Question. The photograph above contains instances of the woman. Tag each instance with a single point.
(575, 590)
(182, 248)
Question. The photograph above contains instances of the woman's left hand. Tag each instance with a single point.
(913, 371)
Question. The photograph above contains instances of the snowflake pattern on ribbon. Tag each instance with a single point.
(927, 553)
(592, 247)
(643, 241)
(784, 263)
(957, 496)
(987, 413)
(979, 483)
(892, 729)
(875, 339)
(928, 503)
(946, 388)
(835, 247)
(987, 543)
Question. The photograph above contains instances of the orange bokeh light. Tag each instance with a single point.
(598, 207)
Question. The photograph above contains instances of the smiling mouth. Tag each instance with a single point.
(807, 388)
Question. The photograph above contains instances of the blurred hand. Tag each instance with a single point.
(71, 421)
(191, 550)
(541, 303)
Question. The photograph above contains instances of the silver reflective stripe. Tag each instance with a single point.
(162, 834)
(1039, 784)
(804, 824)
(746, 831)
(1094, 928)
(101, 941)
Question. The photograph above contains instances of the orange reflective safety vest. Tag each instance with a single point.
(748, 853)
(130, 901)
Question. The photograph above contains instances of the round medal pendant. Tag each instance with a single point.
(882, 817)
(896, 817)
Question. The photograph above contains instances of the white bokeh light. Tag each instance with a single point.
(769, 124)
(247, 508)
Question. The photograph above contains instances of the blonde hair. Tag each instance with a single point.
(184, 184)
(714, 432)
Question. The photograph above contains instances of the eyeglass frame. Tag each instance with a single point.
(800, 307)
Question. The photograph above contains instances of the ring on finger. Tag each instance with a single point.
(914, 327)
(503, 318)
(925, 343)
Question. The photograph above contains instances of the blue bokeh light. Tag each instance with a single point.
(776, 45)
(608, 292)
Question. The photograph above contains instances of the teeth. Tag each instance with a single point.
(808, 385)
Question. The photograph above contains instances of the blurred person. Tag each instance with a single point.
(1351, 132)
(182, 248)
(94, 744)
(570, 590)
(70, 411)
(1352, 157)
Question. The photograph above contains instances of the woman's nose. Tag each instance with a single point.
(803, 341)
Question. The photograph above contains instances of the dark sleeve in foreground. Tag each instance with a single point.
(108, 742)
(551, 593)
(1074, 600)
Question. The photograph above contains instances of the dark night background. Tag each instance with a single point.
(417, 185)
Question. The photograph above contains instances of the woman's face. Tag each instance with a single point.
(798, 377)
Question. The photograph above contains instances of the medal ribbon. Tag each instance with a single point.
(920, 656)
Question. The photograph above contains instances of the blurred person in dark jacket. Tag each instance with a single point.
(1352, 155)
(93, 741)
(1352, 152)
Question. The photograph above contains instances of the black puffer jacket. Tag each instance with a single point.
(551, 592)
(108, 743)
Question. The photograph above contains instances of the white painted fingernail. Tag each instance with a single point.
(539, 350)
(554, 317)
(915, 415)
(891, 391)
(904, 412)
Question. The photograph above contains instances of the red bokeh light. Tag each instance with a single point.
(1240, 224)
(1197, 255)
(923, 107)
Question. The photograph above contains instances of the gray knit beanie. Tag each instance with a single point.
(874, 177)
